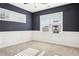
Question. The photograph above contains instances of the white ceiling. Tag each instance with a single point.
(35, 7)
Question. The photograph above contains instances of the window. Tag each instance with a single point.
(8, 15)
(51, 22)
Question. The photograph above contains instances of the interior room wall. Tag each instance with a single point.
(65, 38)
(12, 33)
(16, 26)
(70, 34)
(15, 33)
(70, 17)
(10, 38)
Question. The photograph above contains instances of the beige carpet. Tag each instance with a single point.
(28, 52)
(50, 49)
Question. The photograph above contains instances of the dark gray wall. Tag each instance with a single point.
(15, 26)
(70, 17)
(77, 11)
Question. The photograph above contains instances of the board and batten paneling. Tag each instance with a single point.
(65, 38)
(14, 37)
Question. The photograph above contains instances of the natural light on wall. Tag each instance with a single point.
(51, 22)
(8, 15)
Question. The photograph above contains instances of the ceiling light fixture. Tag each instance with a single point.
(35, 4)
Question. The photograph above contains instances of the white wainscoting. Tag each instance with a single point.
(64, 38)
(14, 37)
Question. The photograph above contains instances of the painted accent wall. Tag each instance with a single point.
(16, 33)
(69, 36)
(15, 26)
(70, 17)
(12, 33)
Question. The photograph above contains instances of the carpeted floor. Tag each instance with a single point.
(50, 49)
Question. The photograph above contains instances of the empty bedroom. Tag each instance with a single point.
(39, 29)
